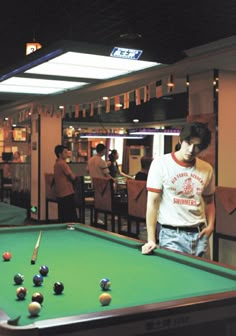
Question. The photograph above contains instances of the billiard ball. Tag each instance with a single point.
(21, 293)
(58, 287)
(38, 280)
(37, 297)
(34, 308)
(105, 284)
(105, 299)
(43, 270)
(7, 256)
(18, 279)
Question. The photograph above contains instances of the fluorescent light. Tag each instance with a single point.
(72, 64)
(56, 70)
(109, 136)
(25, 89)
(85, 59)
(154, 131)
(75, 71)
(35, 85)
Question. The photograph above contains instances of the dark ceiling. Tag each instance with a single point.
(163, 27)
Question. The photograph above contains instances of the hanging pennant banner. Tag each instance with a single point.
(91, 109)
(159, 91)
(137, 97)
(170, 84)
(76, 111)
(108, 105)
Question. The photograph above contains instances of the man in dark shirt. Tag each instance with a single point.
(145, 165)
(64, 188)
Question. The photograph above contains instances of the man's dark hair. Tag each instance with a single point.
(100, 147)
(146, 162)
(59, 149)
(196, 130)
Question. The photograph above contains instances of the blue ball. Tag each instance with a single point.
(105, 284)
(43, 270)
(38, 280)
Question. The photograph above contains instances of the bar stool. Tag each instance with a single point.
(83, 201)
(106, 203)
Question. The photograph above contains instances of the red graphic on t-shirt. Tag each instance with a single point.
(188, 188)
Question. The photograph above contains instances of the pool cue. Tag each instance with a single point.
(35, 252)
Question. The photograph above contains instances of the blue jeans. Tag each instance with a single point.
(182, 241)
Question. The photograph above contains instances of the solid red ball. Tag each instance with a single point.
(7, 256)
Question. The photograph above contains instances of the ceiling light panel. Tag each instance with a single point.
(74, 64)
(34, 85)
(25, 89)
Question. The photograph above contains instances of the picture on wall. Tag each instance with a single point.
(19, 133)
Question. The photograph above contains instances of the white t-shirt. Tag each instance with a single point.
(97, 167)
(182, 186)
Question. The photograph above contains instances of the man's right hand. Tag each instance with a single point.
(148, 247)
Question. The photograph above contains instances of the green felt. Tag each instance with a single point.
(80, 259)
(11, 215)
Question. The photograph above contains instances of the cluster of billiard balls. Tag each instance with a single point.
(37, 279)
(34, 307)
(37, 298)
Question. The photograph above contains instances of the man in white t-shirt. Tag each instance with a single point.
(97, 167)
(181, 195)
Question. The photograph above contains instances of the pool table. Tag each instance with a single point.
(165, 293)
(11, 215)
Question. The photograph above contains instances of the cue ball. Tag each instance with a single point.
(7, 256)
(21, 293)
(34, 308)
(58, 287)
(18, 279)
(38, 280)
(105, 299)
(105, 284)
(37, 297)
(43, 270)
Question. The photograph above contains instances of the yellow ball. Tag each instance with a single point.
(34, 308)
(105, 299)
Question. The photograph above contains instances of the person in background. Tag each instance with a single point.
(113, 165)
(97, 167)
(16, 157)
(145, 165)
(64, 188)
(181, 196)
